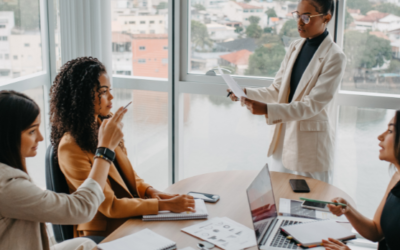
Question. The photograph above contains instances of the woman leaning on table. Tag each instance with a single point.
(298, 100)
(385, 226)
(24, 207)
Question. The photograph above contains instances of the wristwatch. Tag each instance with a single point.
(105, 153)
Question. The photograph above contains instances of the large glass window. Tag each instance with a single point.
(372, 46)
(20, 38)
(146, 133)
(139, 38)
(245, 38)
(358, 170)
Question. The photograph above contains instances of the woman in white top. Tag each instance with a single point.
(298, 101)
(24, 207)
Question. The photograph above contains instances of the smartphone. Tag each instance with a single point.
(213, 198)
(315, 205)
(299, 186)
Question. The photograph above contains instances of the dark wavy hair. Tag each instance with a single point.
(72, 99)
(397, 136)
(17, 112)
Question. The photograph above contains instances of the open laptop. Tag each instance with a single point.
(265, 217)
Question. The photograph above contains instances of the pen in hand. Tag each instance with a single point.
(230, 93)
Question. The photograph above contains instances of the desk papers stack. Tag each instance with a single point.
(223, 232)
(145, 239)
(201, 213)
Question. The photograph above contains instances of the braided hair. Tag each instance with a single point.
(72, 99)
(323, 6)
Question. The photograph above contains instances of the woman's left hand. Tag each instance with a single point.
(332, 244)
(155, 194)
(256, 108)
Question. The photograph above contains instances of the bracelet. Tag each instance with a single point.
(99, 156)
(106, 152)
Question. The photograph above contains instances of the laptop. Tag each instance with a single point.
(265, 217)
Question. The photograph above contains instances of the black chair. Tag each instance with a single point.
(55, 181)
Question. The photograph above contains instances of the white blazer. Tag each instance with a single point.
(309, 140)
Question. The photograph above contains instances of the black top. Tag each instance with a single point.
(390, 219)
(304, 58)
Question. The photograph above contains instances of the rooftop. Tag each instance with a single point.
(238, 44)
(240, 57)
(247, 6)
(150, 36)
(373, 16)
(118, 37)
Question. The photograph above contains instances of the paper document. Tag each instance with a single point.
(232, 84)
(223, 232)
(201, 213)
(145, 239)
(293, 208)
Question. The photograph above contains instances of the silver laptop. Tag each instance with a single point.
(265, 217)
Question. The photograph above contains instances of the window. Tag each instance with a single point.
(6, 56)
(132, 22)
(1, 56)
(165, 47)
(141, 60)
(239, 49)
(142, 22)
(151, 22)
(2, 26)
(164, 60)
(26, 45)
(4, 72)
(152, 32)
(142, 47)
(374, 70)
(15, 57)
(160, 21)
(4, 38)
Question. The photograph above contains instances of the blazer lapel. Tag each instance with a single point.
(283, 95)
(314, 66)
(126, 168)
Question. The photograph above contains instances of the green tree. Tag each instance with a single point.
(266, 60)
(26, 13)
(238, 29)
(268, 30)
(365, 51)
(254, 19)
(348, 19)
(162, 5)
(199, 35)
(199, 7)
(289, 29)
(388, 8)
(394, 66)
(363, 5)
(269, 39)
(271, 12)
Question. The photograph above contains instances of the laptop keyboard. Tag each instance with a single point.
(280, 239)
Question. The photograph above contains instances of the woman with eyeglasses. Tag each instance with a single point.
(298, 101)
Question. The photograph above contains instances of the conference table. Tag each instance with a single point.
(231, 186)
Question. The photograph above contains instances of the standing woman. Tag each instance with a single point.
(298, 100)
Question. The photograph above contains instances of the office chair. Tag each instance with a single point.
(56, 182)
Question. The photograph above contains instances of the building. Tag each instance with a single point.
(140, 24)
(221, 33)
(375, 20)
(121, 53)
(6, 25)
(150, 55)
(240, 12)
(238, 60)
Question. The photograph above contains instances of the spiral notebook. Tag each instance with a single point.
(201, 213)
(145, 239)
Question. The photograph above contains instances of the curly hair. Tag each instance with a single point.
(72, 99)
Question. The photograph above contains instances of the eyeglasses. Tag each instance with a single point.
(304, 18)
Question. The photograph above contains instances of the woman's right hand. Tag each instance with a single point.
(339, 210)
(110, 132)
(178, 204)
(233, 96)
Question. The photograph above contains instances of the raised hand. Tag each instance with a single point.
(110, 132)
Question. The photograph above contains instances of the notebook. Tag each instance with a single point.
(201, 213)
(145, 239)
(312, 233)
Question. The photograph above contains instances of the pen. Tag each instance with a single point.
(230, 93)
(324, 202)
(127, 105)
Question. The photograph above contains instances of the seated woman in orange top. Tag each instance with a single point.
(80, 100)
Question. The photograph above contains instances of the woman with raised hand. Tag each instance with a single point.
(298, 101)
(385, 226)
(81, 99)
(24, 207)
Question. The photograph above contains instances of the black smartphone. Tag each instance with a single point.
(299, 186)
(206, 197)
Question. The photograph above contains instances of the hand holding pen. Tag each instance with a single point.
(233, 97)
(339, 210)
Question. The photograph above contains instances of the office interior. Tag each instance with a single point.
(162, 56)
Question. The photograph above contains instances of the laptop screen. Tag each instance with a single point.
(262, 202)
